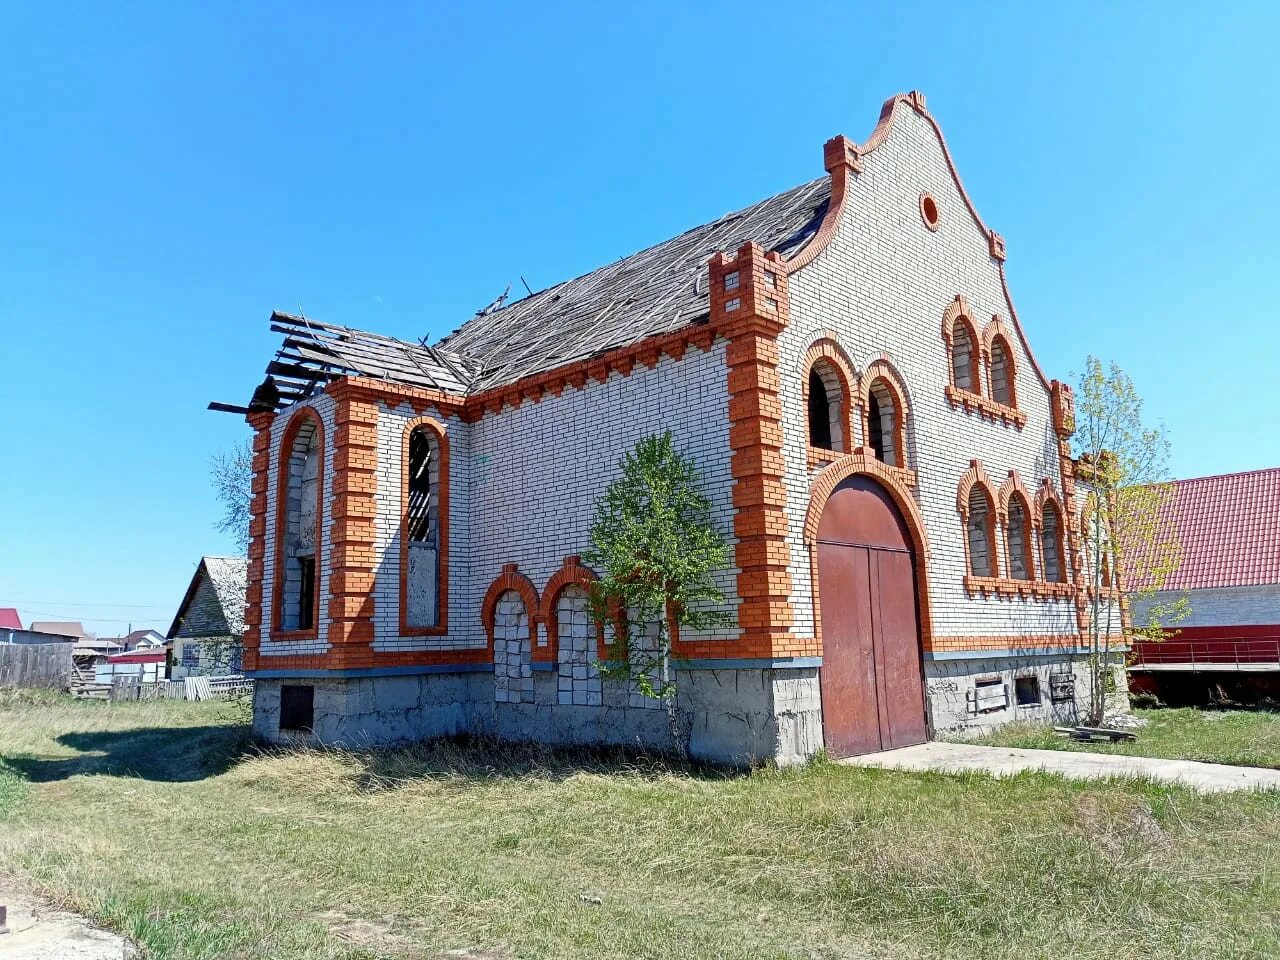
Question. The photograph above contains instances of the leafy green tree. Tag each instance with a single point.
(656, 550)
(1129, 552)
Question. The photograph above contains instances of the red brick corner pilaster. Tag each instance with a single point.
(749, 305)
(1064, 425)
(352, 511)
(254, 614)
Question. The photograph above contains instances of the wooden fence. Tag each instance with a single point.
(35, 665)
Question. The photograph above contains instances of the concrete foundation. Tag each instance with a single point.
(731, 716)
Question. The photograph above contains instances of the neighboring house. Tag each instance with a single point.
(60, 628)
(141, 640)
(208, 629)
(9, 619)
(843, 360)
(1228, 528)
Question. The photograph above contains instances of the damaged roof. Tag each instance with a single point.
(658, 290)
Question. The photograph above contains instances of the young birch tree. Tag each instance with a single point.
(656, 549)
(231, 473)
(1129, 552)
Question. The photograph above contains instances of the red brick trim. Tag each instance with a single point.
(827, 350)
(840, 156)
(958, 312)
(930, 215)
(1046, 497)
(996, 329)
(748, 292)
(261, 465)
(824, 485)
(985, 407)
(284, 455)
(511, 579)
(1007, 587)
(570, 573)
(442, 562)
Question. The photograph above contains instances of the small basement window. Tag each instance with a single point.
(297, 707)
(1026, 691)
(990, 695)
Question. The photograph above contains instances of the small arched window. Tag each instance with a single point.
(1018, 540)
(1051, 543)
(981, 534)
(297, 602)
(424, 556)
(964, 358)
(1002, 373)
(884, 423)
(826, 407)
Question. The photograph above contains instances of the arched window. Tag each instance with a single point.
(425, 533)
(981, 534)
(826, 407)
(884, 423)
(1018, 540)
(1051, 543)
(298, 495)
(1002, 373)
(964, 357)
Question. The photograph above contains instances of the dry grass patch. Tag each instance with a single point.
(524, 852)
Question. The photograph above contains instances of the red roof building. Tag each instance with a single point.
(9, 619)
(1229, 530)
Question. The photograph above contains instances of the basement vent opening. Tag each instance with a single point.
(1026, 691)
(990, 695)
(297, 706)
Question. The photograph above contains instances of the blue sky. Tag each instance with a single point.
(171, 172)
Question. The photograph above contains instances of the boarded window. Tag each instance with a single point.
(301, 504)
(964, 358)
(981, 556)
(1001, 373)
(422, 528)
(883, 425)
(297, 706)
(990, 695)
(1051, 544)
(1019, 540)
(826, 407)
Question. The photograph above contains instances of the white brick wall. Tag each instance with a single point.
(325, 408)
(512, 656)
(1225, 606)
(882, 285)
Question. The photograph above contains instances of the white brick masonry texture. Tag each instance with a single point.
(1224, 606)
(882, 285)
(465, 629)
(578, 680)
(512, 665)
(324, 407)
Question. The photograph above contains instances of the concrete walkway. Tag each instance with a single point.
(41, 931)
(1004, 761)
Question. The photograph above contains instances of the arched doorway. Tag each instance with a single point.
(872, 678)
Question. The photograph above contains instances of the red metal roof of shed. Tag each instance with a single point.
(1229, 528)
(9, 619)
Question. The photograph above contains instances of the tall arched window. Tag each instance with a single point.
(964, 357)
(1018, 540)
(425, 533)
(981, 534)
(1002, 373)
(826, 407)
(884, 423)
(1051, 543)
(297, 602)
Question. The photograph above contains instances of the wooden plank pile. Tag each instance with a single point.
(1096, 734)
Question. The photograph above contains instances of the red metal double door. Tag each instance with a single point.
(871, 677)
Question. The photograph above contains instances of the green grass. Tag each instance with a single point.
(1247, 738)
(146, 817)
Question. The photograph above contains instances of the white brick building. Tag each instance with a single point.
(882, 450)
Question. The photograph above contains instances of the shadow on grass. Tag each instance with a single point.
(172, 754)
(472, 758)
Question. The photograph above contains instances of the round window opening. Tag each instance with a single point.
(929, 211)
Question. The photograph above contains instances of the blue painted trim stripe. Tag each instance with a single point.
(372, 671)
(539, 665)
(750, 663)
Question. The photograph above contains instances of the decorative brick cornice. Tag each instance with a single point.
(1008, 587)
(511, 579)
(985, 407)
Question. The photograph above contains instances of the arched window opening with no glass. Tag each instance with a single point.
(1051, 544)
(964, 358)
(1002, 374)
(884, 424)
(826, 408)
(981, 534)
(297, 600)
(423, 528)
(1018, 536)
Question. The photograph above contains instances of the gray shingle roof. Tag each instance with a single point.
(658, 290)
